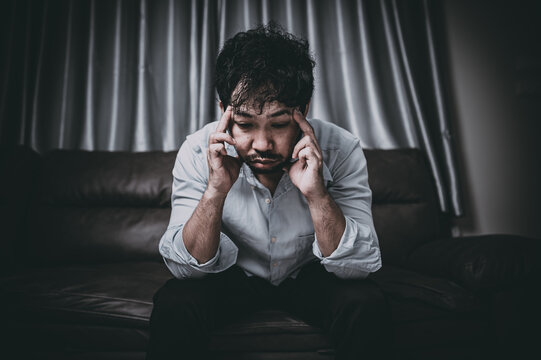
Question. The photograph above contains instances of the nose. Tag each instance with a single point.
(262, 141)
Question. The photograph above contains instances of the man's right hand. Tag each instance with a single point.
(223, 169)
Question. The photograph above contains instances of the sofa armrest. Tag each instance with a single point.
(480, 263)
(409, 285)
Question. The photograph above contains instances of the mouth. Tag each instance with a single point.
(264, 163)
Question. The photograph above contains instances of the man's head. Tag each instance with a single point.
(263, 65)
(264, 74)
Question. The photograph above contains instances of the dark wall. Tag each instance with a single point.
(494, 72)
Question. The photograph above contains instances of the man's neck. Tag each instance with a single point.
(270, 180)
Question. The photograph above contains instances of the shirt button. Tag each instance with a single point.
(267, 201)
(273, 239)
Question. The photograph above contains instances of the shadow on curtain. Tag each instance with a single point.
(138, 75)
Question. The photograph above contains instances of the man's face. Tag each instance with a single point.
(265, 140)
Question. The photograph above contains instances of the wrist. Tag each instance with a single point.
(214, 194)
(317, 195)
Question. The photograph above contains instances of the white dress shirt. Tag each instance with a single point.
(273, 236)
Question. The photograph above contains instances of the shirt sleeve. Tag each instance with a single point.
(190, 177)
(358, 252)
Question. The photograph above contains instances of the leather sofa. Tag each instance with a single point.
(80, 264)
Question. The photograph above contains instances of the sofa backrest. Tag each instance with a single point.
(114, 206)
(100, 206)
(405, 208)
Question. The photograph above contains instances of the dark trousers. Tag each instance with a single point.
(353, 312)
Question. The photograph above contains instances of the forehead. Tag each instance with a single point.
(268, 108)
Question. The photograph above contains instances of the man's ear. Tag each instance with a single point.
(222, 107)
(306, 108)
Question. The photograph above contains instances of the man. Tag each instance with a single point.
(268, 210)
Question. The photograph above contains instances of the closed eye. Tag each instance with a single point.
(244, 125)
(280, 125)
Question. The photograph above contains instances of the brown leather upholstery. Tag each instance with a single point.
(97, 207)
(481, 263)
(80, 263)
(404, 203)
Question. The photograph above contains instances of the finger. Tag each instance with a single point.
(220, 137)
(217, 150)
(308, 156)
(301, 164)
(224, 120)
(306, 141)
(305, 126)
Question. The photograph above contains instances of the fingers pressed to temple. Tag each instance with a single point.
(224, 120)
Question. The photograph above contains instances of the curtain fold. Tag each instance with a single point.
(445, 139)
(138, 75)
(419, 118)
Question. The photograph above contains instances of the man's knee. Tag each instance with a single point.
(362, 295)
(361, 322)
(362, 306)
(177, 305)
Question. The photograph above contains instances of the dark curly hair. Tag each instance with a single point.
(265, 64)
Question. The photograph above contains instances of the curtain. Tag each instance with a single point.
(138, 75)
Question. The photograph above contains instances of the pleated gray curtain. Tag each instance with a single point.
(138, 75)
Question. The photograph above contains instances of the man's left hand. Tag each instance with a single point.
(307, 173)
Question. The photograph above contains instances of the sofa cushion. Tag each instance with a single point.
(117, 294)
(81, 308)
(107, 307)
(404, 204)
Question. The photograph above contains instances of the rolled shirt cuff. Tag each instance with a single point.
(225, 256)
(356, 255)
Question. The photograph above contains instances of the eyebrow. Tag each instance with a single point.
(281, 112)
(243, 114)
(273, 115)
